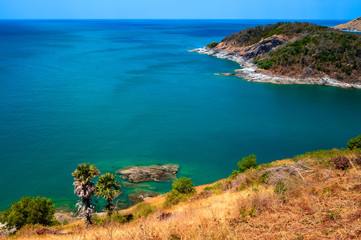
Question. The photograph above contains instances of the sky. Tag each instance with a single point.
(180, 9)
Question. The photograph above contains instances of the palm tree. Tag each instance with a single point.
(108, 188)
(84, 189)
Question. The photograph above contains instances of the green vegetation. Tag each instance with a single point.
(182, 189)
(183, 185)
(143, 210)
(85, 189)
(121, 218)
(247, 163)
(109, 189)
(314, 50)
(354, 143)
(253, 35)
(328, 51)
(29, 211)
(212, 45)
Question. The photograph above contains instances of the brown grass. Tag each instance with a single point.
(321, 203)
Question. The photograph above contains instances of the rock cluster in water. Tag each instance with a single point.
(146, 173)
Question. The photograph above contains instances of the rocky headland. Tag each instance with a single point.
(352, 26)
(146, 173)
(292, 53)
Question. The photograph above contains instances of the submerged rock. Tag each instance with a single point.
(146, 173)
(141, 196)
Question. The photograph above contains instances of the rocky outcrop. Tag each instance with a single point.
(248, 52)
(146, 173)
(63, 217)
(354, 25)
(141, 196)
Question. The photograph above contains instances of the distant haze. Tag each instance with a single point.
(179, 9)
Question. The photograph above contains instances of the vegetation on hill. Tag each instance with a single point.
(310, 51)
(253, 35)
(315, 195)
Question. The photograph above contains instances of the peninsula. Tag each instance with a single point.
(293, 53)
(353, 26)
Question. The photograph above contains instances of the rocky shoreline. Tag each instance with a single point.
(251, 73)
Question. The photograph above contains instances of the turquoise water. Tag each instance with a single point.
(120, 93)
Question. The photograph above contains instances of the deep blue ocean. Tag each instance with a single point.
(127, 92)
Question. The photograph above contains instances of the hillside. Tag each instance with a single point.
(312, 196)
(297, 50)
(354, 25)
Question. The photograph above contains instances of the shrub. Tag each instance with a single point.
(341, 162)
(233, 175)
(98, 220)
(182, 189)
(143, 210)
(212, 45)
(247, 163)
(354, 143)
(184, 185)
(173, 198)
(121, 218)
(280, 188)
(29, 211)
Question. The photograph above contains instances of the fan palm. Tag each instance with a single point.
(109, 189)
(85, 189)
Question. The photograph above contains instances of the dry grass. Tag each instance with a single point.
(320, 203)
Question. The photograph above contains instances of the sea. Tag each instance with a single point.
(119, 93)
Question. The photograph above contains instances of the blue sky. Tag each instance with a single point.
(180, 9)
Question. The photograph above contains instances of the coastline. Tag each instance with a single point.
(250, 72)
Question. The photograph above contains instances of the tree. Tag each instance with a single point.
(109, 189)
(247, 163)
(354, 143)
(85, 189)
(29, 211)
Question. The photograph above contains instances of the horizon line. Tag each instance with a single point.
(110, 19)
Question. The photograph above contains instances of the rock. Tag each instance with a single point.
(141, 196)
(63, 217)
(146, 173)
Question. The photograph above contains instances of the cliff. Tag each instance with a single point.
(354, 25)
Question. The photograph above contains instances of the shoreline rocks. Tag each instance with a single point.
(251, 73)
(146, 173)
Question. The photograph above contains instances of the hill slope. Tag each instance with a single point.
(354, 25)
(297, 50)
(301, 198)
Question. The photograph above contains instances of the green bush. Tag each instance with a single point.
(121, 218)
(182, 189)
(173, 198)
(233, 175)
(184, 185)
(247, 163)
(212, 45)
(143, 210)
(354, 143)
(29, 211)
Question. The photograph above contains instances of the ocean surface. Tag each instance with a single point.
(127, 92)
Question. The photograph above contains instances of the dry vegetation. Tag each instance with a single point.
(307, 197)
